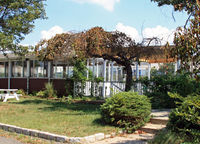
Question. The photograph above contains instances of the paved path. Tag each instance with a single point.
(159, 116)
(4, 140)
(127, 139)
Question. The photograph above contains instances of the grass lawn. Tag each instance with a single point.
(55, 117)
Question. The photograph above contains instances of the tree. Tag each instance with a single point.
(17, 19)
(190, 6)
(187, 39)
(179, 5)
(187, 47)
(98, 43)
(114, 46)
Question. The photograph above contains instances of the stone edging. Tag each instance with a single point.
(55, 137)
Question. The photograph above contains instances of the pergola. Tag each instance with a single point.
(33, 73)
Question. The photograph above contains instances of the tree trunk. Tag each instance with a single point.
(129, 78)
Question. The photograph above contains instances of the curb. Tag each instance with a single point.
(55, 137)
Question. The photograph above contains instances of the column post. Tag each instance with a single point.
(175, 67)
(22, 68)
(104, 77)
(109, 78)
(5, 70)
(28, 74)
(117, 74)
(49, 71)
(137, 71)
(93, 67)
(88, 68)
(97, 69)
(178, 64)
(68, 70)
(149, 71)
(9, 73)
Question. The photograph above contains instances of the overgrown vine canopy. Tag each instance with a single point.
(60, 46)
(98, 43)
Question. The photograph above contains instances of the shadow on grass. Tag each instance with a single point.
(99, 122)
(51, 105)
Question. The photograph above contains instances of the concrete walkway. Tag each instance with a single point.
(159, 120)
(4, 140)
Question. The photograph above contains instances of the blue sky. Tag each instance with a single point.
(137, 18)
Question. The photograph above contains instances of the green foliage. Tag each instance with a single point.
(187, 48)
(17, 20)
(98, 79)
(79, 76)
(69, 99)
(126, 109)
(185, 119)
(79, 71)
(40, 93)
(158, 87)
(49, 91)
(166, 68)
(168, 137)
(179, 5)
(22, 92)
(186, 40)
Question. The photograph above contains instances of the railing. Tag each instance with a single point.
(103, 89)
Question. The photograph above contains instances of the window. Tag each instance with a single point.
(3, 69)
(57, 71)
(69, 71)
(18, 69)
(38, 68)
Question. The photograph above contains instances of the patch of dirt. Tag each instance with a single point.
(5, 107)
(89, 102)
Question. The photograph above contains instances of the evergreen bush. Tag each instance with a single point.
(158, 87)
(185, 119)
(127, 110)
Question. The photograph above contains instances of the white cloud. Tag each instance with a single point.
(163, 33)
(130, 31)
(25, 44)
(107, 4)
(51, 32)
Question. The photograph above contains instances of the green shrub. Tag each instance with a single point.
(158, 87)
(69, 99)
(98, 79)
(185, 119)
(127, 110)
(40, 93)
(22, 92)
(49, 91)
